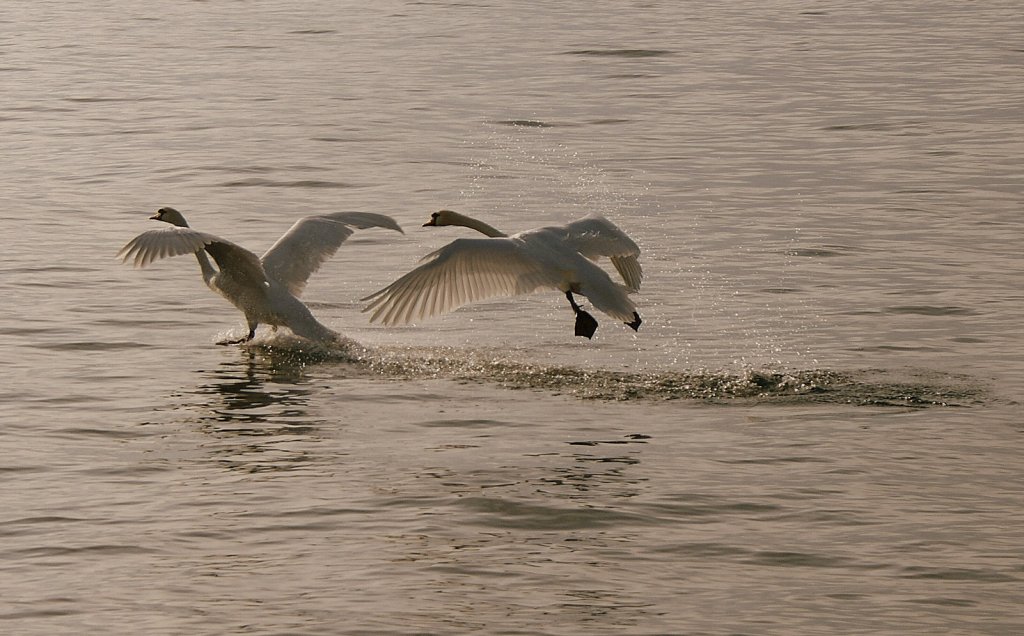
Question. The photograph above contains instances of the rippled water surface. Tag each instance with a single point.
(817, 429)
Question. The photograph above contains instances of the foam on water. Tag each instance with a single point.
(914, 388)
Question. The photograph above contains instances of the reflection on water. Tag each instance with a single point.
(607, 474)
(258, 412)
(263, 399)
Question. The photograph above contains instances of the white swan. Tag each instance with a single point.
(265, 289)
(558, 257)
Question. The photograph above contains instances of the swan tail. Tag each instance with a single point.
(614, 300)
(292, 313)
(313, 330)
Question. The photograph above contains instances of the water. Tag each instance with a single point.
(815, 431)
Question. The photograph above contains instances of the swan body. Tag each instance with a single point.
(557, 257)
(266, 289)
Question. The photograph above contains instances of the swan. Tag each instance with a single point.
(266, 289)
(557, 257)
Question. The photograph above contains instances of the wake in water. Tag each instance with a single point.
(866, 387)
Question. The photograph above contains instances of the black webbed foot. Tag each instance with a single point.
(585, 324)
(636, 322)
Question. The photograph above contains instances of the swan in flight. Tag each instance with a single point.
(558, 257)
(265, 289)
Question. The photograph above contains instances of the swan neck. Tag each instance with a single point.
(481, 227)
(204, 264)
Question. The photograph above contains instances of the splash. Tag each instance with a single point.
(749, 386)
(283, 349)
(910, 388)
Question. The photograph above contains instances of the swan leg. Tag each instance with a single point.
(585, 323)
(636, 322)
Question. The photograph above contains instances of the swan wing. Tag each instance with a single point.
(164, 242)
(311, 241)
(177, 241)
(595, 236)
(464, 271)
(239, 263)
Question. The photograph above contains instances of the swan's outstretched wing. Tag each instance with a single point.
(311, 241)
(595, 236)
(167, 241)
(177, 241)
(464, 271)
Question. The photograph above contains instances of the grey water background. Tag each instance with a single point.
(817, 430)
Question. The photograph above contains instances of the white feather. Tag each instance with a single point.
(470, 270)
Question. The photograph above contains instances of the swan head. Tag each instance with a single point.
(445, 217)
(170, 215)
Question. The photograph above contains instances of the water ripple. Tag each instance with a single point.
(621, 52)
(504, 513)
(524, 123)
(100, 549)
(800, 559)
(966, 575)
(270, 183)
(929, 310)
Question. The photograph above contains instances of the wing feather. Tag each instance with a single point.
(165, 242)
(177, 241)
(464, 271)
(311, 241)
